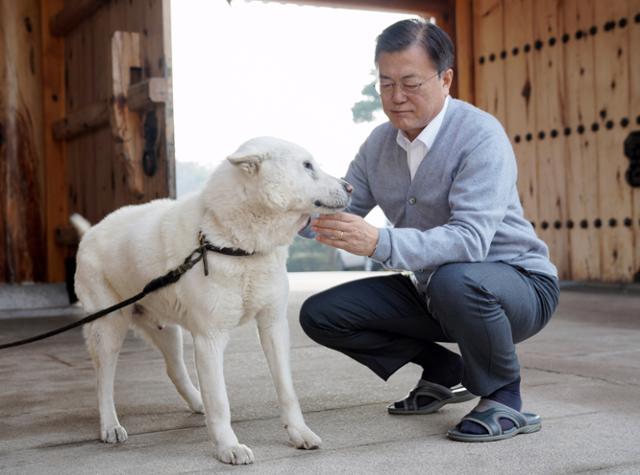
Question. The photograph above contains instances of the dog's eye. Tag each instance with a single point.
(308, 165)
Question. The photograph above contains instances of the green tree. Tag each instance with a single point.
(310, 255)
(363, 110)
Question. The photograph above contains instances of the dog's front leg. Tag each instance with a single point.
(209, 352)
(274, 336)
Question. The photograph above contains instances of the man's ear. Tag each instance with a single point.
(448, 79)
(248, 162)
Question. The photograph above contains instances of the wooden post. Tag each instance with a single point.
(464, 69)
(21, 175)
(53, 103)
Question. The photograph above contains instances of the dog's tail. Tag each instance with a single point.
(80, 223)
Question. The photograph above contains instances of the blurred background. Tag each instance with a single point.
(302, 73)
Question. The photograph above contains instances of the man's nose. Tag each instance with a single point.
(398, 95)
(346, 185)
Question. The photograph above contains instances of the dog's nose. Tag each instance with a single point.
(347, 186)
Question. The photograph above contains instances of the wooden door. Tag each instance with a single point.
(562, 76)
(118, 124)
(86, 122)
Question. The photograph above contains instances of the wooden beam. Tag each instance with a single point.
(144, 94)
(53, 91)
(139, 96)
(409, 6)
(86, 119)
(74, 14)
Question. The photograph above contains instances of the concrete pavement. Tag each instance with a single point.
(582, 374)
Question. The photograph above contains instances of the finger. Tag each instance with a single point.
(331, 242)
(334, 217)
(334, 235)
(330, 226)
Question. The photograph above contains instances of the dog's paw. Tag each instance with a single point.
(114, 435)
(303, 438)
(236, 455)
(195, 403)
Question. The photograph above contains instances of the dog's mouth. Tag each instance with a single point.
(335, 206)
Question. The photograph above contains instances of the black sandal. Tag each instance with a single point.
(442, 395)
(488, 414)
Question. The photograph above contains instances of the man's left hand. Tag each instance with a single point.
(346, 231)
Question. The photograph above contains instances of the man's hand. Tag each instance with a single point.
(346, 231)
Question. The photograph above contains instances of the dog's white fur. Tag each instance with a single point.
(256, 200)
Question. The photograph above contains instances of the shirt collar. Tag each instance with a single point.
(428, 134)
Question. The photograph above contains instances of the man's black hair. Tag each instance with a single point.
(405, 33)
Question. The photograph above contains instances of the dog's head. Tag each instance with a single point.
(285, 178)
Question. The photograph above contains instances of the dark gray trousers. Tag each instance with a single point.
(486, 308)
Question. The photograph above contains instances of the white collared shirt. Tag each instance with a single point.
(418, 149)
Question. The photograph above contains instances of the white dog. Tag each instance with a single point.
(255, 201)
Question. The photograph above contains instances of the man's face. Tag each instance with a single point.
(412, 93)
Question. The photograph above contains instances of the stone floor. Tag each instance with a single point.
(582, 374)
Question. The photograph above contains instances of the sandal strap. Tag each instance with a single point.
(426, 389)
(488, 414)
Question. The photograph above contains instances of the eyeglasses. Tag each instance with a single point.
(410, 87)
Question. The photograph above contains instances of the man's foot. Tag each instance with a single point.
(508, 395)
(427, 398)
(488, 414)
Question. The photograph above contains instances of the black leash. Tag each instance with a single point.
(171, 277)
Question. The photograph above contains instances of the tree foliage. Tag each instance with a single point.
(364, 110)
(310, 255)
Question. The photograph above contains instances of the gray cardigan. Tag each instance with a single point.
(462, 205)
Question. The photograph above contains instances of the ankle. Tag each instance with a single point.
(449, 377)
(509, 395)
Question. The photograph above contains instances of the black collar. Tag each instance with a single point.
(227, 251)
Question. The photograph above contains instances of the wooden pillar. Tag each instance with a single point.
(53, 92)
(22, 249)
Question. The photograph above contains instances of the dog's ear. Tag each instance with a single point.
(248, 162)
